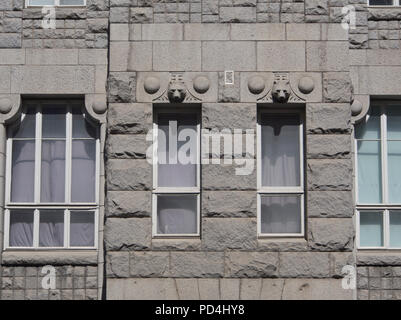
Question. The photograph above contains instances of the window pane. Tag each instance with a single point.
(53, 122)
(41, 2)
(371, 229)
(53, 171)
(83, 171)
(280, 150)
(51, 228)
(82, 229)
(394, 123)
(395, 229)
(371, 128)
(369, 172)
(23, 171)
(280, 214)
(82, 128)
(177, 214)
(177, 159)
(394, 171)
(380, 2)
(25, 129)
(72, 2)
(21, 228)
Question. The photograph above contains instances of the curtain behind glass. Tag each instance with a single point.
(280, 150)
(21, 228)
(176, 214)
(178, 174)
(82, 229)
(280, 214)
(51, 228)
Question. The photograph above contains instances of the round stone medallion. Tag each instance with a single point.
(201, 84)
(256, 84)
(356, 108)
(151, 85)
(306, 85)
(5, 105)
(99, 107)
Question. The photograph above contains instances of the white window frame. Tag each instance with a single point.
(396, 3)
(385, 206)
(56, 4)
(36, 205)
(174, 190)
(280, 191)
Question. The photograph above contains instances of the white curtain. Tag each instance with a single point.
(23, 171)
(53, 171)
(21, 228)
(176, 214)
(51, 228)
(82, 229)
(177, 174)
(83, 172)
(280, 150)
(280, 214)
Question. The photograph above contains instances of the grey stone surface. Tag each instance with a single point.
(251, 264)
(129, 175)
(335, 204)
(329, 175)
(197, 264)
(127, 234)
(128, 204)
(228, 116)
(281, 56)
(127, 146)
(149, 264)
(304, 265)
(228, 204)
(130, 118)
(337, 87)
(328, 118)
(220, 177)
(326, 146)
(229, 233)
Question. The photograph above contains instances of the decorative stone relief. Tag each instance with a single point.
(10, 107)
(360, 107)
(177, 87)
(96, 107)
(281, 87)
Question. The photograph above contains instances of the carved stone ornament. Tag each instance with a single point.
(306, 85)
(177, 91)
(96, 107)
(281, 91)
(10, 107)
(360, 108)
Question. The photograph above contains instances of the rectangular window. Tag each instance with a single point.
(280, 173)
(383, 2)
(66, 3)
(52, 177)
(176, 173)
(378, 176)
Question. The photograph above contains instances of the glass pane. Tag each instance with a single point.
(369, 172)
(21, 228)
(53, 171)
(280, 214)
(371, 128)
(395, 229)
(82, 229)
(41, 2)
(83, 171)
(380, 2)
(23, 171)
(177, 155)
(53, 122)
(394, 171)
(25, 129)
(371, 229)
(394, 123)
(280, 150)
(177, 214)
(51, 228)
(72, 2)
(82, 128)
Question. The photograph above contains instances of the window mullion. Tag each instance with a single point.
(38, 153)
(384, 156)
(386, 231)
(36, 223)
(66, 228)
(68, 155)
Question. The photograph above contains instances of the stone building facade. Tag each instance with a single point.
(229, 62)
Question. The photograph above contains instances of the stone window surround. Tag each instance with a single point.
(373, 207)
(297, 109)
(36, 205)
(167, 190)
(95, 107)
(28, 5)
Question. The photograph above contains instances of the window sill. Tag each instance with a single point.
(43, 257)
